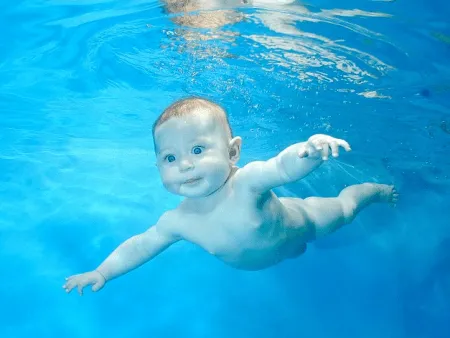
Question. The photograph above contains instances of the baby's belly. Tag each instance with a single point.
(251, 261)
(249, 238)
(254, 253)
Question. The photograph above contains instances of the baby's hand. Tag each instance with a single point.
(93, 278)
(320, 144)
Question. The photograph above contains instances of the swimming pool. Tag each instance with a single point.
(81, 84)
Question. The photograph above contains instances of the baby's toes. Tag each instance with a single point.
(394, 195)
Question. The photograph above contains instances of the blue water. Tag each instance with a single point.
(80, 86)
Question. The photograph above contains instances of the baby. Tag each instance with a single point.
(231, 212)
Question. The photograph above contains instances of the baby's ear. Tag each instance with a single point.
(235, 149)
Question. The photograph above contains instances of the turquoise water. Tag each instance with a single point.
(80, 86)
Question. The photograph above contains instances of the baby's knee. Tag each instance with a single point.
(348, 211)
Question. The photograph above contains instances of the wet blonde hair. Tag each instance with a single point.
(192, 105)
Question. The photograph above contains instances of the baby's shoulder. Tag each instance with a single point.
(178, 222)
(239, 179)
(169, 221)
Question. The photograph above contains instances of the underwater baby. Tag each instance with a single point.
(231, 211)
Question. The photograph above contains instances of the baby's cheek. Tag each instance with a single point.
(168, 180)
(212, 162)
(168, 174)
(170, 185)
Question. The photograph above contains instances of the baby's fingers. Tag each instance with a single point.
(81, 285)
(334, 149)
(78, 283)
(344, 145)
(325, 152)
(97, 286)
(72, 277)
(69, 285)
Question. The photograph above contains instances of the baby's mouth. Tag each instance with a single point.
(192, 180)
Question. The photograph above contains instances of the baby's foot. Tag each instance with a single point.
(388, 194)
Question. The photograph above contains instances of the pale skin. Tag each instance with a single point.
(197, 159)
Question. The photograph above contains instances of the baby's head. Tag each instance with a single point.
(194, 147)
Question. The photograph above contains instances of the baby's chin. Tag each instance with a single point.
(193, 196)
(196, 194)
(201, 191)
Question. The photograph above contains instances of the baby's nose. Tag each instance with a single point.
(186, 164)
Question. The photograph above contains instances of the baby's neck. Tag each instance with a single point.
(200, 205)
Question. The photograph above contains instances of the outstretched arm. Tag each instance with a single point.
(129, 255)
(292, 164)
(135, 251)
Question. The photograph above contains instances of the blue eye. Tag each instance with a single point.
(170, 158)
(197, 150)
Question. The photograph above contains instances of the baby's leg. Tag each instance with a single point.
(329, 214)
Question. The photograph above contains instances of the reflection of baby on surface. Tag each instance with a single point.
(229, 211)
(214, 13)
(212, 18)
(202, 13)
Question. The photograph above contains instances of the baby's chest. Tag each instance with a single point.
(222, 232)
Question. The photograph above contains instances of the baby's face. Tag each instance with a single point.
(192, 155)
